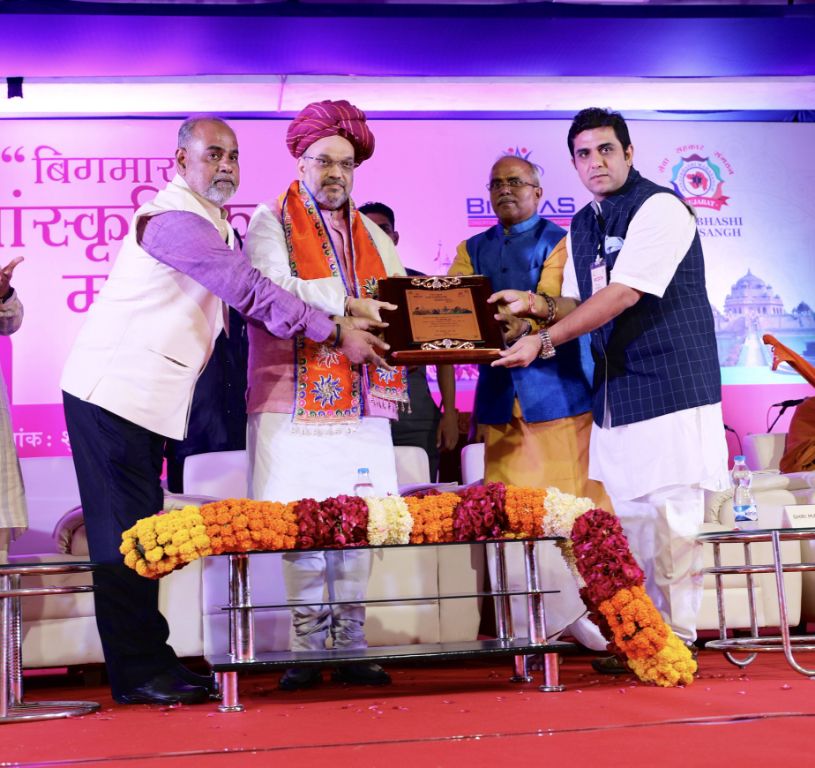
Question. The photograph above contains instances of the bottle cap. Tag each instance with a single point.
(739, 458)
(362, 469)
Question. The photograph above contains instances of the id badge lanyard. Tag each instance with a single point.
(599, 275)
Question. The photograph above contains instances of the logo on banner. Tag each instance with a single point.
(699, 181)
(559, 210)
(699, 178)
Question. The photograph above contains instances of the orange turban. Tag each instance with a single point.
(330, 118)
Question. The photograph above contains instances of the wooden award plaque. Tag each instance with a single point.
(440, 320)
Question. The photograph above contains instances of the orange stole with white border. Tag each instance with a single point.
(328, 388)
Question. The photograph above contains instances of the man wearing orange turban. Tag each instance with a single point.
(309, 406)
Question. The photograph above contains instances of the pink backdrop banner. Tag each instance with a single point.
(68, 189)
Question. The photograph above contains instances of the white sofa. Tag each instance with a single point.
(772, 492)
(60, 630)
(763, 452)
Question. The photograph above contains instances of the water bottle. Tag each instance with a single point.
(363, 486)
(744, 505)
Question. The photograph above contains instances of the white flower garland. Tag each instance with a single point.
(389, 521)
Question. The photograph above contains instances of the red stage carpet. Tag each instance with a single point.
(450, 716)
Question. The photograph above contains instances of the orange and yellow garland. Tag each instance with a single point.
(592, 543)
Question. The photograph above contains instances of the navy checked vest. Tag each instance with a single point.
(547, 389)
(658, 356)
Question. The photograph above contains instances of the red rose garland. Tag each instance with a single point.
(480, 514)
(603, 556)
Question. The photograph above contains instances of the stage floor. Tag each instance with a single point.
(446, 715)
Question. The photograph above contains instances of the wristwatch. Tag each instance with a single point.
(547, 348)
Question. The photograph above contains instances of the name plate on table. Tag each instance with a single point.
(799, 516)
(442, 320)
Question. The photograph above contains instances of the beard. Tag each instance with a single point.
(331, 200)
(221, 190)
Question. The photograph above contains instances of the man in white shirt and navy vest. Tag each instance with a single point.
(635, 280)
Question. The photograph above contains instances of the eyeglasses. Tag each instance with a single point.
(493, 185)
(324, 163)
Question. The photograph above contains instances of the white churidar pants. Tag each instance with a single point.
(287, 466)
(661, 528)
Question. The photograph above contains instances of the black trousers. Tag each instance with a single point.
(118, 466)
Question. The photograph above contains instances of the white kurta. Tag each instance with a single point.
(13, 512)
(692, 447)
(656, 470)
(287, 464)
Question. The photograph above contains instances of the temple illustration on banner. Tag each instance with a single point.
(752, 309)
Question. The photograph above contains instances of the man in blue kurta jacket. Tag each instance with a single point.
(536, 421)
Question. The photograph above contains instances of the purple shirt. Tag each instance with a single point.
(189, 243)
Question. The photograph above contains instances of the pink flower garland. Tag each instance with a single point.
(348, 516)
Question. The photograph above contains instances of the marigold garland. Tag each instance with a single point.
(591, 540)
(432, 517)
(160, 544)
(614, 588)
(240, 525)
(524, 511)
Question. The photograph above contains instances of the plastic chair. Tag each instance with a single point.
(51, 489)
(472, 463)
(764, 451)
(412, 465)
(220, 474)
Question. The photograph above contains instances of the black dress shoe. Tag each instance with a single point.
(361, 674)
(193, 678)
(166, 688)
(296, 678)
(611, 665)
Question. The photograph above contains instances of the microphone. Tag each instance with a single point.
(783, 405)
(728, 428)
(788, 403)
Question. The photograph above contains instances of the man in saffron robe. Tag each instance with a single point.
(309, 407)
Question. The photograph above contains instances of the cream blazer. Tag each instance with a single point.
(149, 333)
